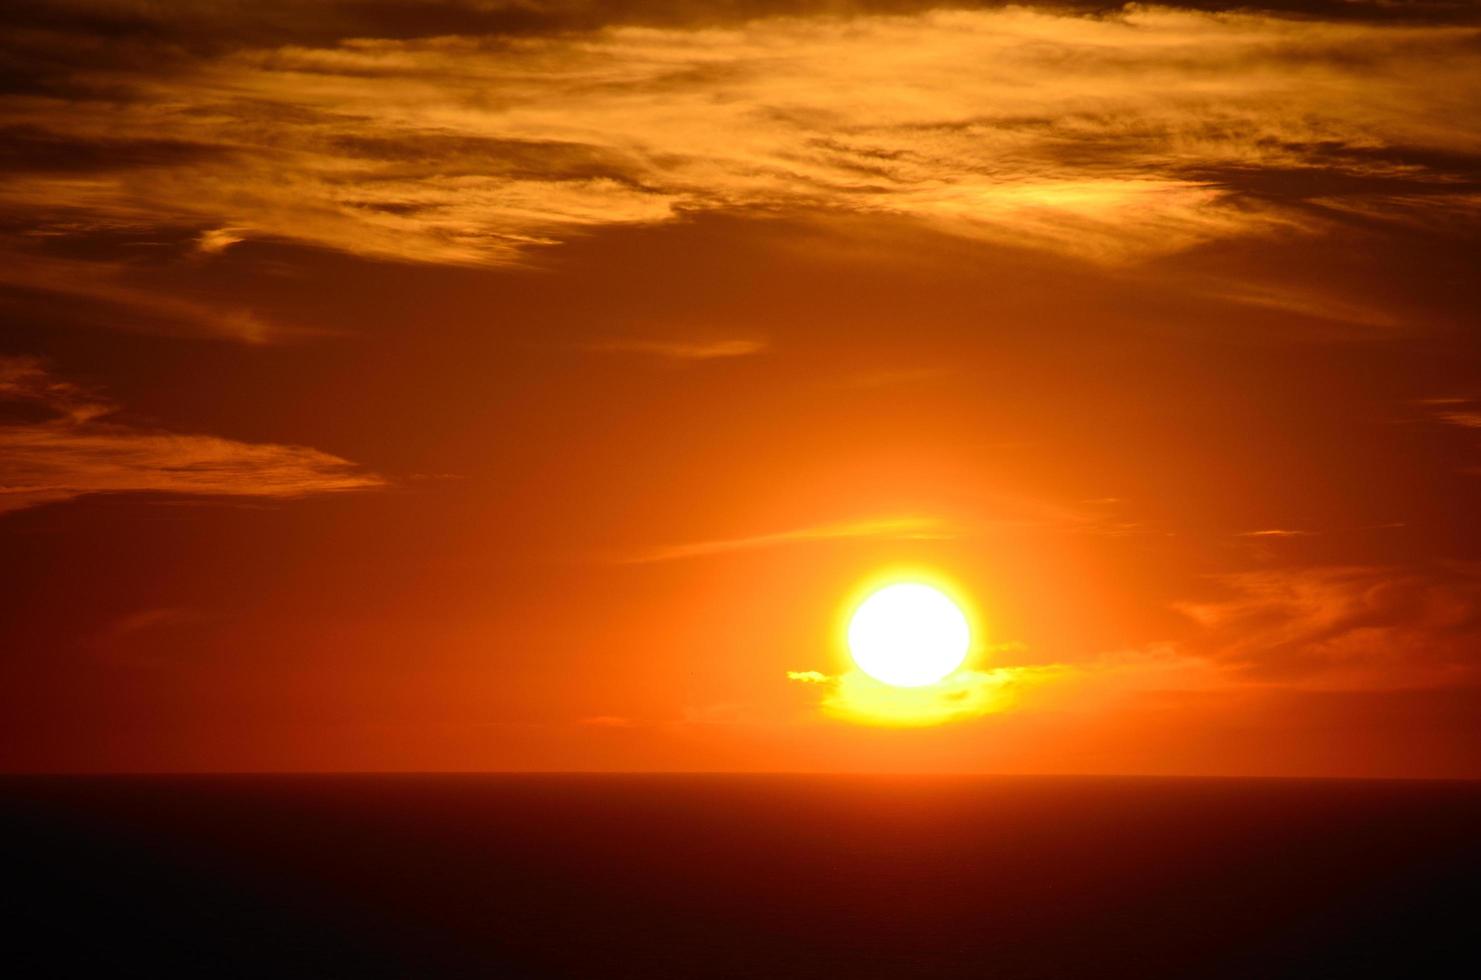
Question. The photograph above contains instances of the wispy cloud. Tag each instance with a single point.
(608, 721)
(131, 640)
(1464, 419)
(1112, 137)
(1462, 412)
(1360, 625)
(1000, 515)
(1276, 532)
(1457, 410)
(680, 350)
(77, 451)
(148, 619)
(897, 528)
(133, 306)
(1303, 302)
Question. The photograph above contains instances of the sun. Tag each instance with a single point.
(908, 635)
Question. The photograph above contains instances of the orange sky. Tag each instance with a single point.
(495, 385)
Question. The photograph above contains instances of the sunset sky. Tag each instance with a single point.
(533, 384)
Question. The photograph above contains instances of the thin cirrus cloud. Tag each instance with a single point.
(897, 528)
(74, 450)
(1462, 412)
(1459, 412)
(1010, 515)
(680, 350)
(127, 305)
(1111, 137)
(1276, 532)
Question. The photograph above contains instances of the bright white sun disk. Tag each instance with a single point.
(908, 635)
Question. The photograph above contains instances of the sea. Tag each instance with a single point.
(655, 876)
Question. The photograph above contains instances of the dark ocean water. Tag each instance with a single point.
(659, 876)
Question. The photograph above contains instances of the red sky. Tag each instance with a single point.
(484, 385)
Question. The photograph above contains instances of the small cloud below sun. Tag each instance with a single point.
(856, 697)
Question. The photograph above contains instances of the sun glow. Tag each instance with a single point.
(914, 640)
(908, 635)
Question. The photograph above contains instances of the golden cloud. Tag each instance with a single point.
(1110, 137)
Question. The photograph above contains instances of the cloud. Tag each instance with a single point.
(856, 697)
(1320, 628)
(23, 379)
(133, 640)
(1001, 514)
(1461, 412)
(1345, 626)
(608, 721)
(214, 241)
(1095, 684)
(1276, 532)
(129, 305)
(148, 619)
(1469, 419)
(900, 528)
(75, 450)
(1302, 302)
(1113, 137)
(680, 350)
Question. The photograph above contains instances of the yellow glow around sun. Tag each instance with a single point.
(913, 641)
(908, 635)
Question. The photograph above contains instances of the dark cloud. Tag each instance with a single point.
(33, 149)
(69, 447)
